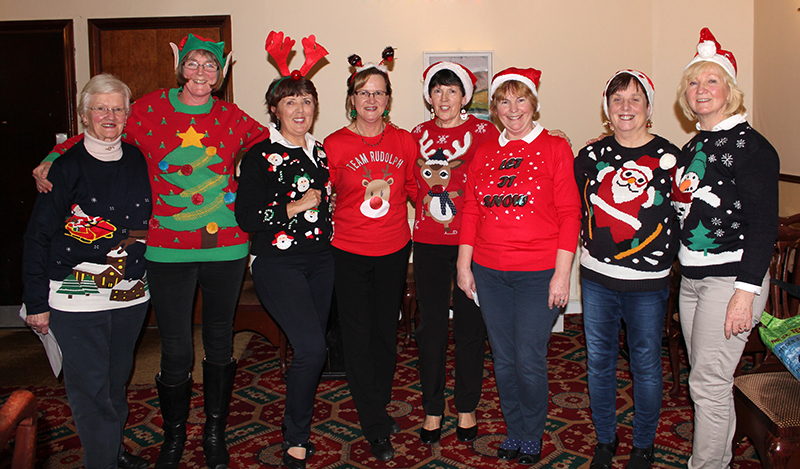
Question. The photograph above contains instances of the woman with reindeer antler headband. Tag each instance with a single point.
(283, 202)
(190, 141)
(372, 170)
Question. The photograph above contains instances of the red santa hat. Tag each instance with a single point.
(647, 164)
(709, 50)
(468, 79)
(527, 76)
(644, 81)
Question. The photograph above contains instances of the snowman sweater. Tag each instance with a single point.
(190, 152)
(726, 194)
(273, 174)
(81, 251)
(521, 203)
(440, 188)
(372, 177)
(628, 228)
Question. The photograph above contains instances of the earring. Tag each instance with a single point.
(353, 113)
(463, 115)
(278, 125)
(608, 124)
(433, 115)
(386, 112)
(649, 123)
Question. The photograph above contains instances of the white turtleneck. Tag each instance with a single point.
(103, 151)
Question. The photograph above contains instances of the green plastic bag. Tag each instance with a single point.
(782, 336)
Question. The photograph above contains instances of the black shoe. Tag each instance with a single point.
(429, 437)
(467, 434)
(217, 387)
(508, 454)
(528, 459)
(174, 402)
(641, 458)
(604, 454)
(292, 462)
(382, 449)
(394, 428)
(311, 450)
(128, 461)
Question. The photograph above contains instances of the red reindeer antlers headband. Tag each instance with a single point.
(279, 47)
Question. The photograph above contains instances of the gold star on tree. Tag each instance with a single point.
(191, 138)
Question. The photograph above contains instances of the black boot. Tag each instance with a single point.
(175, 411)
(217, 387)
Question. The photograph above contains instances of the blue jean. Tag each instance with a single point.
(643, 313)
(514, 307)
(97, 348)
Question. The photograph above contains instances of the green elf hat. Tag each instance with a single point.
(192, 42)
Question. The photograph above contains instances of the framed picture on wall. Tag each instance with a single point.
(479, 63)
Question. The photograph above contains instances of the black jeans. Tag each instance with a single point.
(172, 287)
(369, 290)
(297, 291)
(435, 273)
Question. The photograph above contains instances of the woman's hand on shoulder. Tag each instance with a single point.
(595, 140)
(560, 133)
(40, 176)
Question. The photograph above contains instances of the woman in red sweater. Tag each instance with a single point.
(371, 164)
(518, 237)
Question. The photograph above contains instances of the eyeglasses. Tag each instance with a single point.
(208, 66)
(105, 110)
(364, 94)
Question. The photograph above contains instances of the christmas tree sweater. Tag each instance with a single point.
(521, 203)
(372, 177)
(441, 171)
(273, 174)
(726, 194)
(190, 152)
(81, 251)
(628, 228)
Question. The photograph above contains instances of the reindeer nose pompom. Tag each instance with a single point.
(375, 203)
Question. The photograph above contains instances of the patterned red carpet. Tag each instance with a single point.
(254, 430)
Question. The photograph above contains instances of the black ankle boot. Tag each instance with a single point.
(174, 401)
(217, 387)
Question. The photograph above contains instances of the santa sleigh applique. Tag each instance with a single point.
(87, 229)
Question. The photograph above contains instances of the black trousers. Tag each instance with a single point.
(368, 294)
(435, 274)
(172, 287)
(297, 291)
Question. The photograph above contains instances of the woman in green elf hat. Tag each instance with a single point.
(190, 140)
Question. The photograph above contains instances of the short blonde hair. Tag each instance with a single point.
(193, 55)
(516, 88)
(103, 83)
(736, 102)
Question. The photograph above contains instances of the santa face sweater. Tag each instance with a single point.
(628, 227)
(726, 194)
(81, 251)
(441, 171)
(521, 203)
(273, 174)
(372, 178)
(190, 153)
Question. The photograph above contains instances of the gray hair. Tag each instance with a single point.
(102, 84)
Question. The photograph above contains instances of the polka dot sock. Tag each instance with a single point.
(510, 443)
(530, 447)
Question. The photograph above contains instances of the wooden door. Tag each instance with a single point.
(37, 100)
(137, 50)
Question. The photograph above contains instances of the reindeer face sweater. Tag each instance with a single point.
(628, 225)
(726, 194)
(441, 172)
(372, 178)
(81, 251)
(521, 203)
(190, 152)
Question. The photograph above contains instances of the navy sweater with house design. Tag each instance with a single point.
(726, 195)
(82, 251)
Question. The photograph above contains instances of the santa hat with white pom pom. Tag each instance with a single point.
(709, 50)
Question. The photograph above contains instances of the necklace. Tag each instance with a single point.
(383, 132)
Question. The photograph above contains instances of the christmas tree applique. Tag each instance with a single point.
(203, 192)
(72, 287)
(699, 241)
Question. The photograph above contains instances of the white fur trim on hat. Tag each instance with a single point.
(460, 72)
(503, 77)
(644, 82)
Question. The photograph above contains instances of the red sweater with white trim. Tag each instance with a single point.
(521, 203)
(372, 178)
